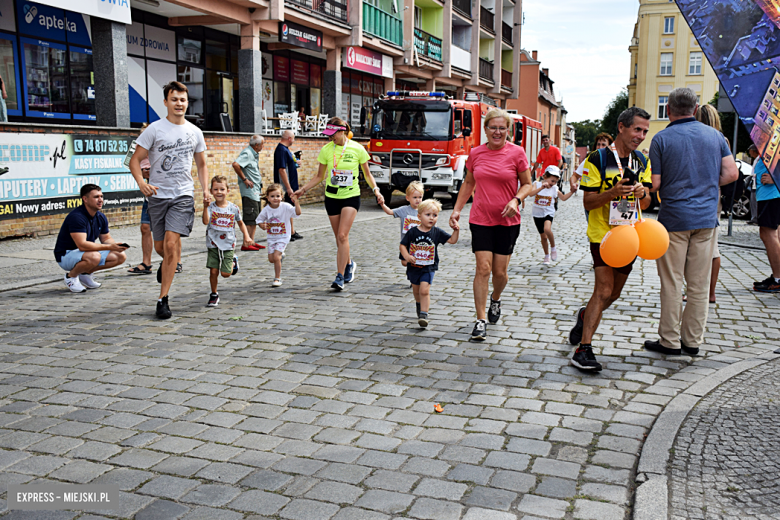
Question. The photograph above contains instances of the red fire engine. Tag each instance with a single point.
(428, 136)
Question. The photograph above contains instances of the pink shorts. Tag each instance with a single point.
(276, 245)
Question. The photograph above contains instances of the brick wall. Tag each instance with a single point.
(222, 149)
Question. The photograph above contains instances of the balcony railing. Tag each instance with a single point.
(427, 45)
(382, 24)
(506, 32)
(485, 69)
(336, 9)
(464, 6)
(506, 78)
(487, 19)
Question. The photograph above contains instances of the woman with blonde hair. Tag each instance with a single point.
(708, 115)
(341, 161)
(495, 170)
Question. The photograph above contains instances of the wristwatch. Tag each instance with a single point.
(519, 201)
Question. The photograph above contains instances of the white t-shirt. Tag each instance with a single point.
(171, 150)
(544, 202)
(279, 220)
(221, 232)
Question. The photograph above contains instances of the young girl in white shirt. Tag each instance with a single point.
(545, 192)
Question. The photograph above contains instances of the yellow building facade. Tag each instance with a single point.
(665, 56)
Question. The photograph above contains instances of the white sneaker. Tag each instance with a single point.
(74, 285)
(546, 260)
(89, 282)
(277, 282)
(554, 255)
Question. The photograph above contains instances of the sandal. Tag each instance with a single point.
(179, 268)
(137, 270)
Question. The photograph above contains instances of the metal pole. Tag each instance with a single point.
(734, 191)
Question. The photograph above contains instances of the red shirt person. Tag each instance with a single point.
(549, 155)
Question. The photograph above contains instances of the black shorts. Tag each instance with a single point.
(595, 252)
(499, 240)
(539, 221)
(334, 206)
(769, 213)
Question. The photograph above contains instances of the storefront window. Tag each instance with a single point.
(82, 83)
(8, 72)
(281, 98)
(46, 87)
(189, 50)
(216, 55)
(192, 78)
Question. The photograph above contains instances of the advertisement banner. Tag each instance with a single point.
(281, 68)
(116, 10)
(364, 60)
(741, 40)
(300, 36)
(43, 173)
(300, 72)
(316, 76)
(43, 21)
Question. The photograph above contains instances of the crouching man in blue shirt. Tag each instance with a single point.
(76, 250)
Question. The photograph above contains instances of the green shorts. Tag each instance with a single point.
(213, 261)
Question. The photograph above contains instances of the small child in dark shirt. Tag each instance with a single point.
(419, 247)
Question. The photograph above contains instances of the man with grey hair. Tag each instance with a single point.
(250, 183)
(690, 161)
(286, 172)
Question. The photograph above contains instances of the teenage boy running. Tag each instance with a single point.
(171, 144)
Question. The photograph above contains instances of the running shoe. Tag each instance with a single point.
(277, 282)
(213, 300)
(575, 335)
(163, 311)
(179, 268)
(480, 331)
(655, 346)
(423, 319)
(768, 280)
(235, 264)
(546, 260)
(338, 283)
(554, 255)
(88, 282)
(349, 272)
(584, 359)
(494, 311)
(74, 284)
(296, 236)
(770, 285)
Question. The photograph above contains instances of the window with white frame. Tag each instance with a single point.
(417, 17)
(669, 25)
(663, 104)
(694, 64)
(667, 60)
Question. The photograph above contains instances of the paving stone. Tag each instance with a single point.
(210, 513)
(80, 471)
(162, 510)
(266, 480)
(224, 472)
(38, 465)
(513, 481)
(529, 446)
(615, 494)
(512, 461)
(588, 510)
(379, 459)
(546, 507)
(556, 488)
(126, 479)
(183, 466)
(336, 492)
(299, 466)
(259, 502)
(385, 501)
(491, 498)
(354, 513)
(477, 513)
(435, 509)
(556, 468)
(470, 473)
(211, 495)
(431, 468)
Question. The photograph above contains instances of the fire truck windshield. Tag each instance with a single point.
(412, 120)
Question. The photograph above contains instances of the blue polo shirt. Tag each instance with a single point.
(764, 191)
(79, 221)
(687, 155)
(284, 159)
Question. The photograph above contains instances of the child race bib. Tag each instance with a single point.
(277, 228)
(423, 254)
(341, 178)
(410, 222)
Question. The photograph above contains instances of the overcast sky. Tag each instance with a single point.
(585, 46)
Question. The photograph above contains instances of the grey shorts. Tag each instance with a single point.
(177, 215)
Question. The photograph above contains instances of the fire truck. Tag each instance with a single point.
(427, 136)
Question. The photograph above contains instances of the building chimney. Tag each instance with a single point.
(534, 54)
(546, 72)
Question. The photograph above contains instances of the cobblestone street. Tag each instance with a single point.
(300, 403)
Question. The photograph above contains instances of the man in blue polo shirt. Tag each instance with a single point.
(286, 172)
(76, 250)
(690, 161)
(768, 197)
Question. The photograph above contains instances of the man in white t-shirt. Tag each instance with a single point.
(171, 144)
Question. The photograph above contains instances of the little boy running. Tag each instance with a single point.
(408, 214)
(546, 192)
(419, 249)
(220, 218)
(274, 219)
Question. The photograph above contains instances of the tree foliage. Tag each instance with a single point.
(586, 132)
(609, 123)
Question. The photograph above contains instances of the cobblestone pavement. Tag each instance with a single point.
(742, 234)
(726, 455)
(298, 403)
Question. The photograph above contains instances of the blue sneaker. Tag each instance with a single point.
(338, 283)
(349, 272)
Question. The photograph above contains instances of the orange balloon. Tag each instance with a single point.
(350, 135)
(653, 239)
(619, 246)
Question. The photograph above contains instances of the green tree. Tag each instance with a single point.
(609, 123)
(586, 132)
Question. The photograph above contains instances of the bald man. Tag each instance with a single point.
(250, 183)
(286, 171)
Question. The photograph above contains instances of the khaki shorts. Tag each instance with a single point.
(222, 260)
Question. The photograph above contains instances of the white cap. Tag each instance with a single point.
(553, 170)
